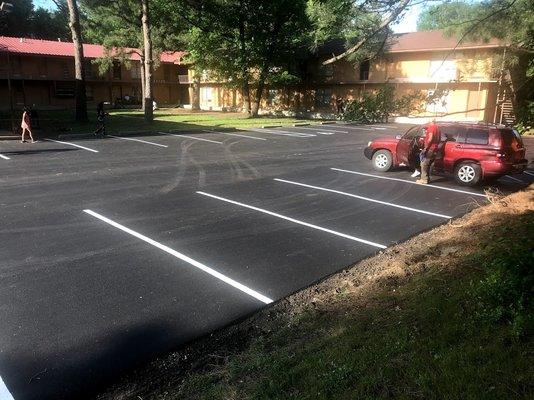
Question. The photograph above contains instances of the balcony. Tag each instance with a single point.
(184, 79)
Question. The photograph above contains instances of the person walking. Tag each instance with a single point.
(101, 119)
(429, 152)
(26, 125)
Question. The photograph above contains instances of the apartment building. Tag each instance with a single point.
(463, 74)
(41, 72)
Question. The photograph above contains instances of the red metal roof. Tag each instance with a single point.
(432, 41)
(66, 49)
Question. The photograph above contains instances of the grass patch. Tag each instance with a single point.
(124, 121)
(460, 332)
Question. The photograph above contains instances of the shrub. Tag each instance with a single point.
(379, 106)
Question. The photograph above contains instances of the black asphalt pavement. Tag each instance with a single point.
(117, 250)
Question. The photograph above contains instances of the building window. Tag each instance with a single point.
(64, 89)
(364, 70)
(66, 71)
(441, 70)
(16, 66)
(117, 73)
(136, 71)
(167, 73)
(273, 98)
(88, 69)
(206, 94)
(323, 97)
(326, 71)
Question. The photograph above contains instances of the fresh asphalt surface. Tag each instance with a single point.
(110, 256)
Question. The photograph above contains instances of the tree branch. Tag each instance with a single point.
(394, 14)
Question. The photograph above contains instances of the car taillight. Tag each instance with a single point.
(501, 155)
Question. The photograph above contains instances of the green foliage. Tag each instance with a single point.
(246, 43)
(505, 293)
(379, 106)
(26, 21)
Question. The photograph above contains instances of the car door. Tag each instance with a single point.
(406, 144)
(453, 138)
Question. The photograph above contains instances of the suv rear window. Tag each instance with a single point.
(511, 138)
(477, 136)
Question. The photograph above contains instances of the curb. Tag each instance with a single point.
(270, 126)
(301, 124)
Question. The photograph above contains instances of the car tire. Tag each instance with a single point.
(468, 173)
(382, 160)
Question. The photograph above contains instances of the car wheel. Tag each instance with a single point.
(467, 173)
(382, 160)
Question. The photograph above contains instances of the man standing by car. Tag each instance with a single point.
(429, 152)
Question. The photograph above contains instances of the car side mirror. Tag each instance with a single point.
(398, 137)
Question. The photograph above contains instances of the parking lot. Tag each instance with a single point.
(116, 250)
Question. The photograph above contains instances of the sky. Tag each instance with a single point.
(408, 23)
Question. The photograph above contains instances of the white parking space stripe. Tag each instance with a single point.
(381, 126)
(4, 392)
(365, 198)
(514, 179)
(72, 144)
(322, 128)
(407, 181)
(326, 133)
(281, 133)
(4, 157)
(235, 134)
(138, 140)
(528, 173)
(185, 258)
(190, 137)
(296, 221)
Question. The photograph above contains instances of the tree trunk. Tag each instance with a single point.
(246, 95)
(149, 62)
(259, 92)
(74, 24)
(195, 100)
(143, 84)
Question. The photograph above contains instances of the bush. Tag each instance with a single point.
(379, 106)
(504, 295)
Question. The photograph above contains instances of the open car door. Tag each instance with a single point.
(408, 145)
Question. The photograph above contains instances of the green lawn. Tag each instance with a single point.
(460, 333)
(124, 121)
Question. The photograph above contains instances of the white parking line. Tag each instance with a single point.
(4, 157)
(72, 144)
(296, 221)
(190, 137)
(365, 198)
(514, 179)
(407, 181)
(4, 392)
(185, 258)
(281, 133)
(138, 140)
(528, 173)
(361, 128)
(327, 133)
(321, 128)
(235, 134)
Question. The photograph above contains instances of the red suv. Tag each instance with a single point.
(471, 152)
